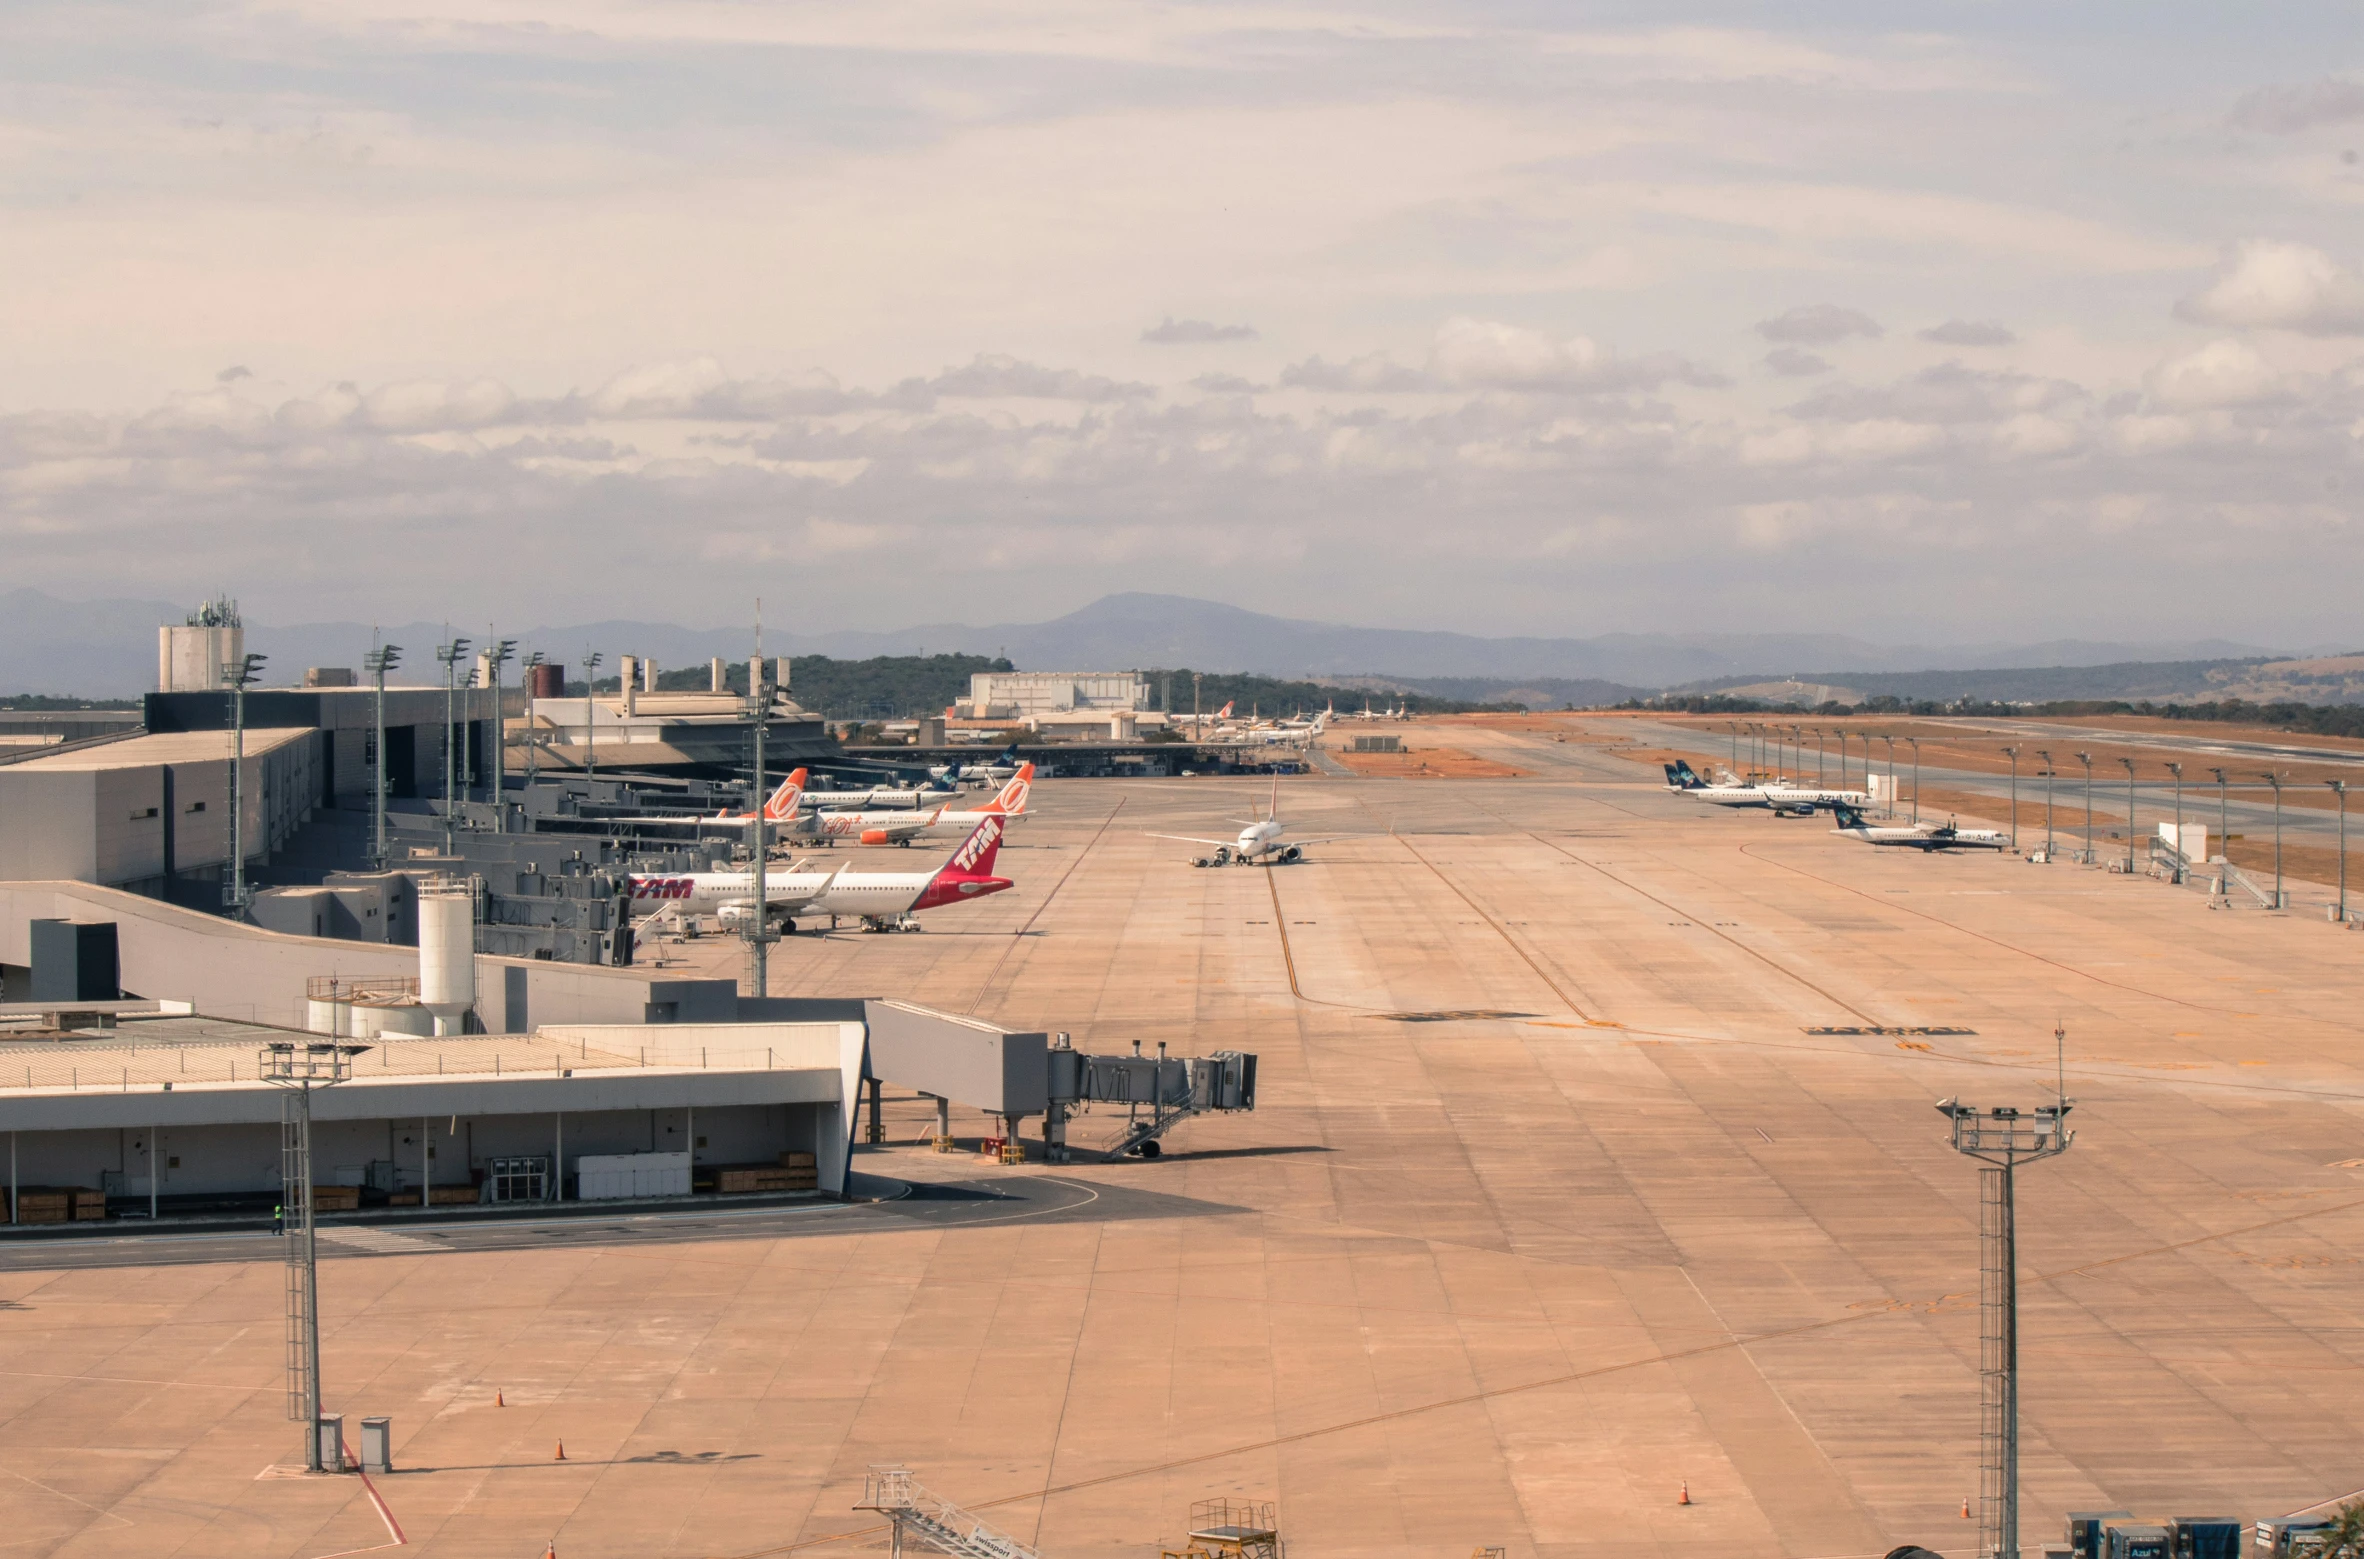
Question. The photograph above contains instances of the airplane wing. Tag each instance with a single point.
(1326, 839)
(1192, 839)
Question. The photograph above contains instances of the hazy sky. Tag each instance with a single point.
(2037, 320)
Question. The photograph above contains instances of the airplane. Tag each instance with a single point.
(779, 808)
(993, 772)
(904, 825)
(1795, 800)
(1917, 836)
(1259, 839)
(879, 796)
(883, 901)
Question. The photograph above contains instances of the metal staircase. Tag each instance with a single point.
(932, 1522)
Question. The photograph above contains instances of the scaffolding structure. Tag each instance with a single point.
(933, 1522)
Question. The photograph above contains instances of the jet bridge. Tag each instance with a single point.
(1015, 1074)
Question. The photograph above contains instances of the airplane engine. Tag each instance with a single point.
(732, 915)
(1290, 855)
(876, 836)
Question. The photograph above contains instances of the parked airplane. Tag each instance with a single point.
(902, 826)
(779, 808)
(880, 796)
(1917, 836)
(883, 901)
(1260, 840)
(991, 772)
(1799, 800)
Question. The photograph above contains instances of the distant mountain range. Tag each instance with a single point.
(108, 648)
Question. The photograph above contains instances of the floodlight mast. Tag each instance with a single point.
(2086, 759)
(381, 660)
(759, 934)
(2339, 788)
(591, 660)
(2013, 754)
(2129, 763)
(238, 674)
(298, 1069)
(2281, 900)
(498, 653)
(450, 654)
(2049, 776)
(2182, 855)
(2001, 1138)
(533, 738)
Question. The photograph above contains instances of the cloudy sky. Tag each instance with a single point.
(2035, 321)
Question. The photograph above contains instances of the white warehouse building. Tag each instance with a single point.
(1031, 695)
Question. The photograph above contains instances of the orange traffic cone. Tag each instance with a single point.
(561, 1456)
(1965, 1507)
(500, 1399)
(1685, 1497)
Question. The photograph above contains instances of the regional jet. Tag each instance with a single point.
(1917, 836)
(1260, 840)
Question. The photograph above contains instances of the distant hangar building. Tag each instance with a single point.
(1035, 695)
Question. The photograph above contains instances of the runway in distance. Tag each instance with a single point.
(1917, 836)
(1260, 840)
(882, 901)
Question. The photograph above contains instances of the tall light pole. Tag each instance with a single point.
(2001, 1138)
(2182, 854)
(450, 654)
(238, 675)
(298, 1069)
(2048, 778)
(2224, 820)
(1734, 728)
(1891, 741)
(2086, 759)
(381, 660)
(591, 715)
(1840, 732)
(498, 653)
(2013, 752)
(533, 741)
(1818, 755)
(2280, 901)
(759, 933)
(2129, 763)
(2339, 788)
(1916, 747)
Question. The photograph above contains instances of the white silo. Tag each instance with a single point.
(447, 953)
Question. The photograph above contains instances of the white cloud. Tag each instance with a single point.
(1818, 324)
(2266, 284)
(1793, 362)
(2222, 373)
(1969, 332)
(1372, 373)
(1185, 332)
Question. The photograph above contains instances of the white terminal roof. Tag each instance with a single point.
(188, 1070)
(135, 752)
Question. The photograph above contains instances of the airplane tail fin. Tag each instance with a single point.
(782, 805)
(1845, 816)
(1012, 800)
(1684, 776)
(1224, 713)
(977, 853)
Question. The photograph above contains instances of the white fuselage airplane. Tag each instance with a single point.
(879, 899)
(1779, 796)
(1918, 836)
(901, 826)
(1259, 839)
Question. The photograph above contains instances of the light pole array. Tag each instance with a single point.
(2001, 1138)
(381, 660)
(1891, 741)
(239, 675)
(298, 1069)
(450, 654)
(1916, 746)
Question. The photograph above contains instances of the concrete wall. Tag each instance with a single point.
(231, 970)
(48, 825)
(109, 824)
